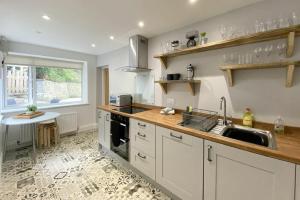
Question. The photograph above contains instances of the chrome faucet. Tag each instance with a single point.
(223, 99)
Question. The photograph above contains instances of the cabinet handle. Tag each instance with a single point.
(122, 124)
(141, 135)
(174, 136)
(209, 148)
(142, 125)
(141, 156)
(107, 117)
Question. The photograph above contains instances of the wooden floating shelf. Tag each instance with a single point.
(229, 69)
(290, 33)
(190, 83)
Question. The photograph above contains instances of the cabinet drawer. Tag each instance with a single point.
(177, 136)
(143, 140)
(141, 126)
(143, 162)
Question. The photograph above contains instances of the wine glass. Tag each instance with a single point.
(258, 54)
(281, 47)
(268, 51)
(223, 32)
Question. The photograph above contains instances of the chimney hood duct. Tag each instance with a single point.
(138, 55)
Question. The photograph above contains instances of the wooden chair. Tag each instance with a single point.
(47, 134)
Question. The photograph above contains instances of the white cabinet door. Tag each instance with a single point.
(179, 163)
(298, 183)
(101, 124)
(107, 130)
(233, 174)
(143, 162)
(104, 128)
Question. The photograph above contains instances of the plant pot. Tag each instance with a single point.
(203, 40)
(29, 112)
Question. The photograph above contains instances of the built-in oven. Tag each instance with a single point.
(120, 135)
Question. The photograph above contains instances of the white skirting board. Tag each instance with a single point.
(88, 127)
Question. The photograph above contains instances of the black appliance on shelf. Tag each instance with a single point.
(120, 135)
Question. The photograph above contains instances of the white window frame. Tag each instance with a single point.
(32, 86)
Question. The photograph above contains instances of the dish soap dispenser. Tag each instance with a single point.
(248, 118)
(279, 125)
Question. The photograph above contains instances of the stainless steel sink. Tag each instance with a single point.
(251, 135)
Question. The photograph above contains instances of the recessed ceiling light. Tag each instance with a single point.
(193, 1)
(46, 17)
(112, 37)
(141, 24)
(93, 45)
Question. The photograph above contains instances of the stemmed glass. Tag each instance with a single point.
(223, 31)
(281, 47)
(257, 53)
(268, 51)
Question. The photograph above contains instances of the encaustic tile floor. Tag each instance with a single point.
(74, 169)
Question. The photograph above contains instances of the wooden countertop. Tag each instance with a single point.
(288, 145)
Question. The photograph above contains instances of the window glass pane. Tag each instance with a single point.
(17, 80)
(58, 85)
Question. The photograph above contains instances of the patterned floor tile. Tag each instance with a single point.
(74, 169)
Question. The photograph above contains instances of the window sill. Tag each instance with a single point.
(5, 111)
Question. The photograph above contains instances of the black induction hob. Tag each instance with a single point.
(130, 109)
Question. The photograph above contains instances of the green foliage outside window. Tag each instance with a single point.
(58, 74)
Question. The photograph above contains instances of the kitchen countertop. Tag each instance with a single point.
(288, 145)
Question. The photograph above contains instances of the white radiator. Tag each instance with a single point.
(25, 134)
(67, 123)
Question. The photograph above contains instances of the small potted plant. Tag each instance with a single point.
(31, 109)
(203, 39)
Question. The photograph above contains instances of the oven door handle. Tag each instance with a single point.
(122, 124)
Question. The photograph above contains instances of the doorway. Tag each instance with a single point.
(105, 84)
(102, 88)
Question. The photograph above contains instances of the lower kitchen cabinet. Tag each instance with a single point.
(104, 128)
(143, 162)
(179, 163)
(298, 182)
(233, 174)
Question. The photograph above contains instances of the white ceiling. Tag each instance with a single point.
(76, 24)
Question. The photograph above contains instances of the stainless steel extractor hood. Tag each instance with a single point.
(138, 55)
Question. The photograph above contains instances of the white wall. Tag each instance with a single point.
(262, 90)
(1, 143)
(119, 82)
(86, 113)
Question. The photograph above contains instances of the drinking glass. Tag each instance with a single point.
(226, 59)
(248, 58)
(283, 22)
(268, 51)
(281, 48)
(258, 54)
(294, 19)
(223, 32)
(257, 26)
(241, 58)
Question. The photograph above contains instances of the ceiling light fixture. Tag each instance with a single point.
(112, 37)
(141, 24)
(93, 45)
(46, 17)
(193, 1)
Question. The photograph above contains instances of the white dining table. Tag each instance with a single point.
(12, 121)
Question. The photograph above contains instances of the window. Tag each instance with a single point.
(44, 82)
(58, 85)
(17, 84)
